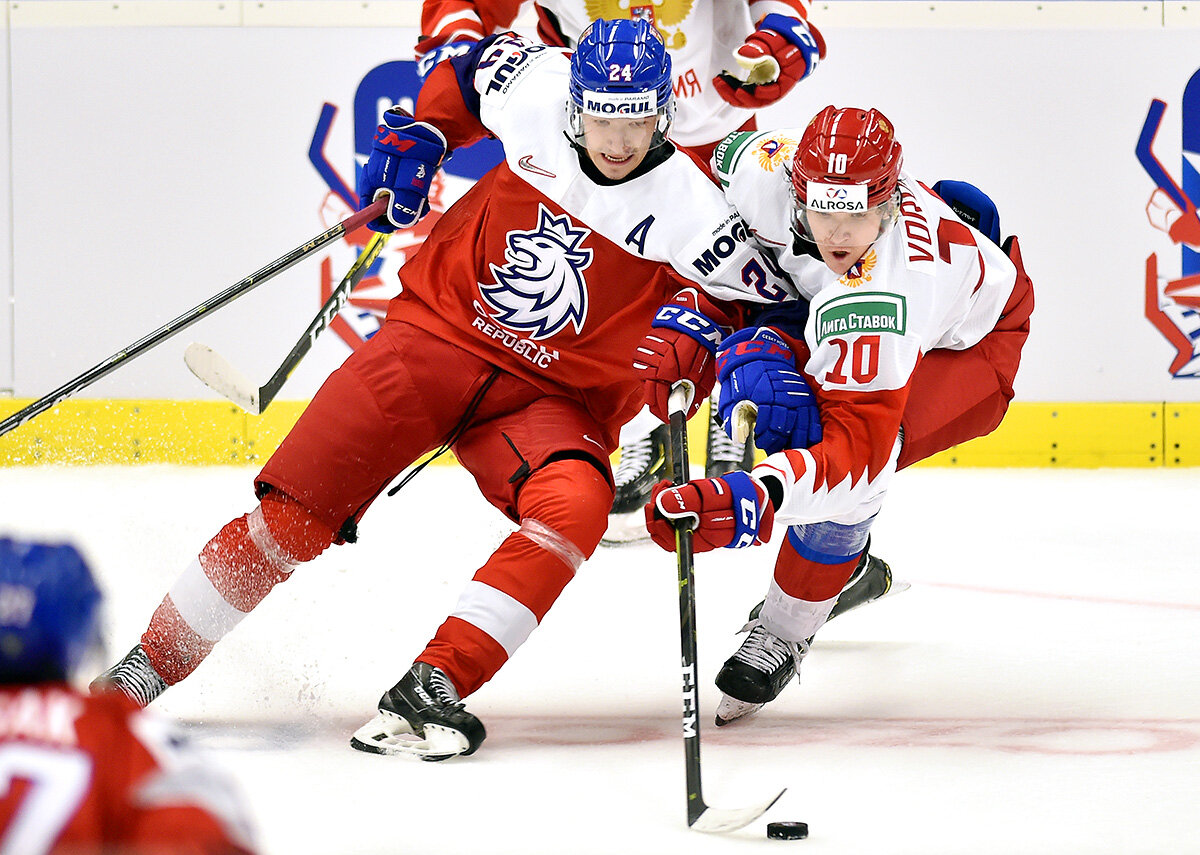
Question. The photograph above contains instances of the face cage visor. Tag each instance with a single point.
(889, 214)
(664, 116)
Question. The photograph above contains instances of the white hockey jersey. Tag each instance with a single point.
(930, 282)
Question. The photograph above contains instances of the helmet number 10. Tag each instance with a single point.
(837, 163)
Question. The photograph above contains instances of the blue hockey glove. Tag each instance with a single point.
(429, 60)
(973, 206)
(404, 158)
(756, 365)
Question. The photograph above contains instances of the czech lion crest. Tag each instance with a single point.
(541, 289)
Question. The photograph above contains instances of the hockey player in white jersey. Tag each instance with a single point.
(729, 59)
(908, 343)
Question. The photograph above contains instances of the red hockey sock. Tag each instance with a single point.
(803, 577)
(564, 511)
(234, 572)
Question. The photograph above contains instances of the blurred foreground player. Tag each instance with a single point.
(908, 343)
(82, 774)
(512, 342)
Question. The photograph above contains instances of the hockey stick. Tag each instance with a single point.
(700, 816)
(1145, 156)
(745, 414)
(194, 314)
(216, 372)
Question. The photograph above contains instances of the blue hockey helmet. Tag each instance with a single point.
(621, 70)
(49, 611)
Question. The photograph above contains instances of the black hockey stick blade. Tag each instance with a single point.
(216, 372)
(166, 331)
(701, 817)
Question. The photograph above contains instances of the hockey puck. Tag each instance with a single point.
(787, 830)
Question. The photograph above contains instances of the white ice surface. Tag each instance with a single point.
(1036, 691)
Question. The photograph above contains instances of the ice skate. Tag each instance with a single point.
(757, 672)
(872, 580)
(723, 454)
(421, 716)
(133, 676)
(643, 464)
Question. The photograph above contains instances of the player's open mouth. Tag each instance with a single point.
(617, 160)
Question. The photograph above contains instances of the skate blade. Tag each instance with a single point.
(391, 734)
(731, 709)
(626, 529)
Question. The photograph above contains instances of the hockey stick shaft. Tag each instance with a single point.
(337, 299)
(190, 317)
(701, 816)
(745, 414)
(677, 404)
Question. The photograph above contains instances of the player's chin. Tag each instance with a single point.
(616, 166)
(839, 260)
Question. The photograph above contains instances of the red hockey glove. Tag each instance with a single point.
(775, 57)
(732, 511)
(681, 345)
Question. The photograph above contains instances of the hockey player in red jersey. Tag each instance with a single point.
(907, 339)
(729, 58)
(81, 774)
(512, 342)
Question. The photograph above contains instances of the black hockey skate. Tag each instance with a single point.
(745, 679)
(421, 716)
(133, 676)
(757, 672)
(872, 580)
(643, 464)
(723, 454)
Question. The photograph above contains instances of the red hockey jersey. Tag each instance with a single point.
(82, 775)
(547, 273)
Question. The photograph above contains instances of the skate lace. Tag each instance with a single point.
(136, 677)
(635, 459)
(443, 689)
(721, 445)
(767, 652)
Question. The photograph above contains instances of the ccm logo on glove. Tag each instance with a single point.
(731, 511)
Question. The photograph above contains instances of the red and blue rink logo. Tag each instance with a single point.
(1173, 305)
(387, 85)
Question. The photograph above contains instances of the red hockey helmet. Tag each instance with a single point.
(848, 160)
